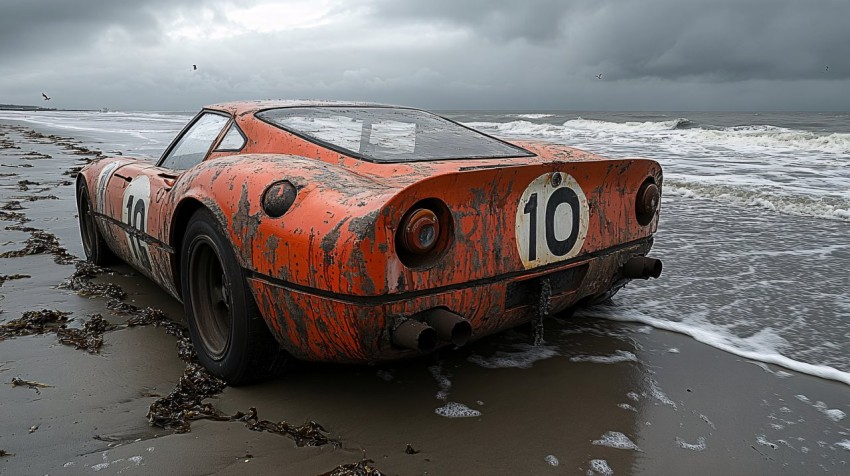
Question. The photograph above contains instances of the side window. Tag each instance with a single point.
(195, 143)
(233, 140)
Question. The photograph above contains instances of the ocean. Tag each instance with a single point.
(755, 220)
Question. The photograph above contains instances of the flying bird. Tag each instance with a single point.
(46, 97)
(194, 67)
(599, 76)
(827, 69)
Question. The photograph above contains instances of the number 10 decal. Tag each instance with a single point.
(551, 221)
(135, 215)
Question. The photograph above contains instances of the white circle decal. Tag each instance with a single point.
(551, 220)
(101, 184)
(134, 214)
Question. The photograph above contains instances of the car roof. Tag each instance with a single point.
(243, 107)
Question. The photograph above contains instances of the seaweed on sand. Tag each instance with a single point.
(185, 402)
(42, 242)
(360, 468)
(34, 322)
(310, 433)
(81, 283)
(9, 277)
(19, 382)
(89, 338)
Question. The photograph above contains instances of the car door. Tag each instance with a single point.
(138, 196)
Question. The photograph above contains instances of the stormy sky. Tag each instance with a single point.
(439, 54)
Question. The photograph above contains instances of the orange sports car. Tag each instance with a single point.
(351, 232)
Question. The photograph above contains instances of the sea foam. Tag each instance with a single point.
(600, 467)
(762, 347)
(698, 446)
(457, 410)
(618, 356)
(524, 356)
(615, 439)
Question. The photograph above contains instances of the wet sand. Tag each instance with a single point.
(598, 396)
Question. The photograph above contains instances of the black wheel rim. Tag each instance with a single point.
(87, 225)
(209, 291)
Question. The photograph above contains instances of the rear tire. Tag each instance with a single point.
(94, 246)
(229, 334)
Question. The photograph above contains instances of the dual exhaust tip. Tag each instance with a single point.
(425, 330)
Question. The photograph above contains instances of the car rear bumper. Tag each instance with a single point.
(317, 326)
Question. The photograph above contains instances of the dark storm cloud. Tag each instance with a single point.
(721, 40)
(707, 40)
(535, 20)
(36, 28)
(42, 28)
(450, 54)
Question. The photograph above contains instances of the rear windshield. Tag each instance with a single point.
(385, 134)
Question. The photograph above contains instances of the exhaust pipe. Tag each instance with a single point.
(641, 267)
(412, 334)
(450, 327)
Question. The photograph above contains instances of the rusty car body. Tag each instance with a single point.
(350, 232)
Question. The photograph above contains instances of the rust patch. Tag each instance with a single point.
(364, 227)
(329, 242)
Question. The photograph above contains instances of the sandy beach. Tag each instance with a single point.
(600, 397)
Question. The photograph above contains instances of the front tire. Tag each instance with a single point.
(94, 246)
(229, 334)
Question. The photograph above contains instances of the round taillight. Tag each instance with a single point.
(420, 231)
(647, 201)
(424, 234)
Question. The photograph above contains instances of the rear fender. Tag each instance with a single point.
(313, 242)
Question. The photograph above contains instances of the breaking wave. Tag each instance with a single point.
(573, 126)
(775, 138)
(681, 132)
(532, 116)
(672, 124)
(819, 206)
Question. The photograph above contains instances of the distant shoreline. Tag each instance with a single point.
(15, 107)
